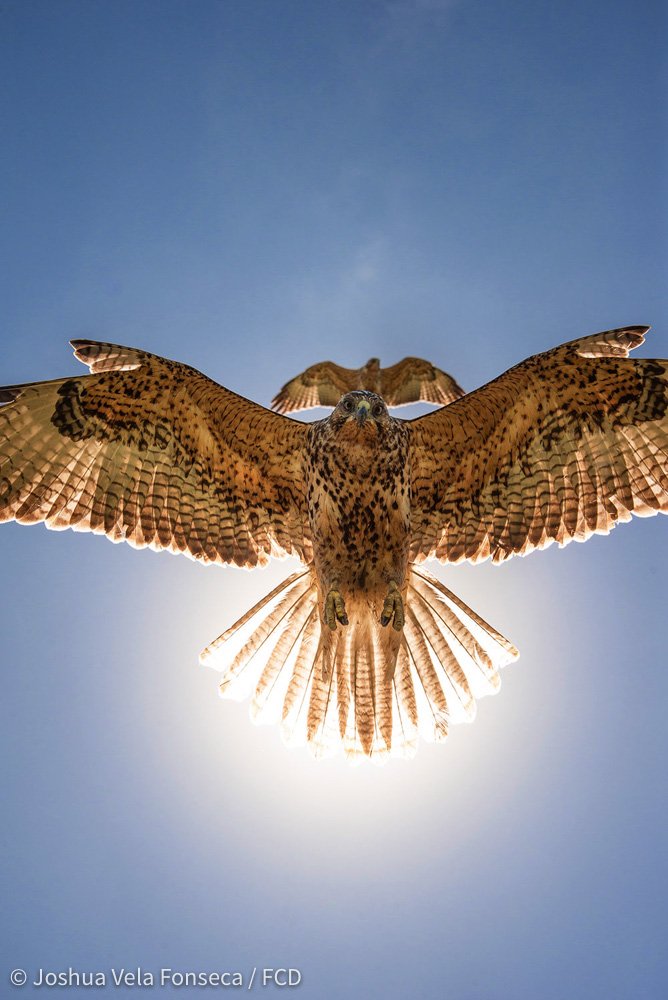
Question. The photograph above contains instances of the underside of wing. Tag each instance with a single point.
(411, 380)
(154, 453)
(414, 380)
(322, 384)
(564, 445)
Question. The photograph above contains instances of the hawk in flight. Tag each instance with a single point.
(362, 648)
(409, 381)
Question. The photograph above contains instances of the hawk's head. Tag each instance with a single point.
(359, 414)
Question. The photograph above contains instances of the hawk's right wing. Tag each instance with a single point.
(153, 452)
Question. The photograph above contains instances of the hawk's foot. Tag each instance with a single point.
(393, 608)
(335, 609)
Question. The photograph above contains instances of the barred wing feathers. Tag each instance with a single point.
(153, 452)
(414, 380)
(563, 445)
(322, 384)
(409, 381)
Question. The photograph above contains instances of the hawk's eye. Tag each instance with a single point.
(348, 405)
(377, 409)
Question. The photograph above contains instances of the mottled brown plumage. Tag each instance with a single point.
(152, 452)
(362, 648)
(411, 380)
(563, 445)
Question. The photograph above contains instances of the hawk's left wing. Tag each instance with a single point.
(563, 445)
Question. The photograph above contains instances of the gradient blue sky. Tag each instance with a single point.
(250, 187)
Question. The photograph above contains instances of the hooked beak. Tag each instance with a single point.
(363, 410)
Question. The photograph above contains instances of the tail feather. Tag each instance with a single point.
(233, 629)
(442, 657)
(284, 613)
(367, 731)
(344, 690)
(430, 685)
(465, 644)
(362, 688)
(294, 705)
(364, 697)
(321, 719)
(497, 637)
(382, 699)
(290, 640)
(406, 730)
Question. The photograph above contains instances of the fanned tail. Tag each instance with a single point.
(362, 688)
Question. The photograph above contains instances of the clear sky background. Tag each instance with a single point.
(251, 187)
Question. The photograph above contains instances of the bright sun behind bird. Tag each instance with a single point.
(361, 649)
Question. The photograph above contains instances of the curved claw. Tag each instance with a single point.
(335, 609)
(393, 608)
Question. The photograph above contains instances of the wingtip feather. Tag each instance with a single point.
(101, 357)
(612, 343)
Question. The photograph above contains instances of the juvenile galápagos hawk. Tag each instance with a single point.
(362, 648)
(411, 380)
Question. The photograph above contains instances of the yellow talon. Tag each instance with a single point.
(393, 608)
(335, 609)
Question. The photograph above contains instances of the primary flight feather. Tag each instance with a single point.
(362, 648)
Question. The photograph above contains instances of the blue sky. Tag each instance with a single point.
(252, 187)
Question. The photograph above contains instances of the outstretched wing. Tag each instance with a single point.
(152, 452)
(409, 381)
(561, 446)
(414, 380)
(322, 384)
